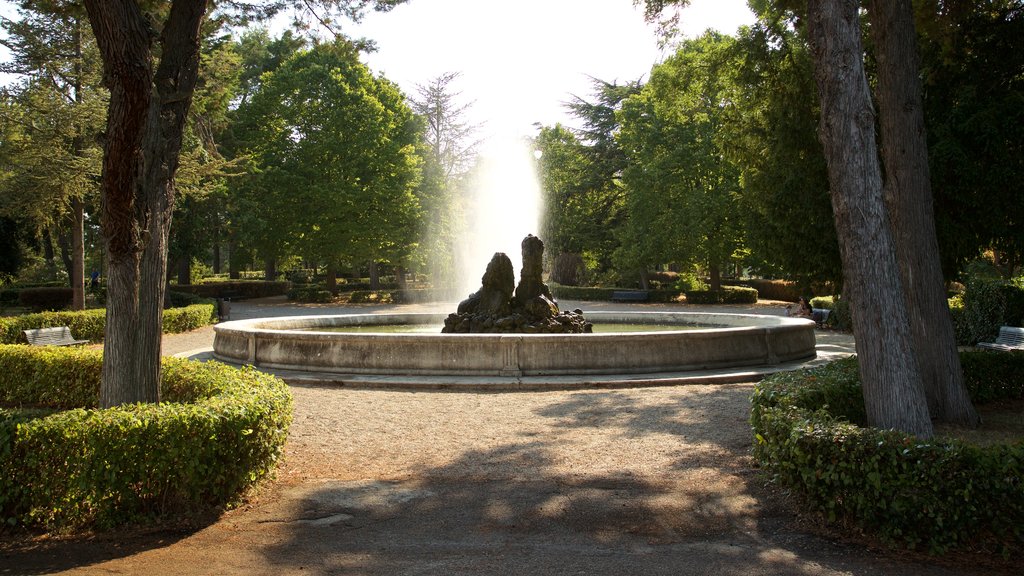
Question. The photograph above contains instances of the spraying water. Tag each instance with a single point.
(503, 207)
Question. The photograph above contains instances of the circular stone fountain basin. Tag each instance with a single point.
(294, 343)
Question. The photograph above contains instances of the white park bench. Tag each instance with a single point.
(57, 336)
(1010, 338)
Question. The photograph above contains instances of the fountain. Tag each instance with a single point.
(521, 339)
(499, 306)
(506, 336)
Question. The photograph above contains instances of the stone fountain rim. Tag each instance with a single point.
(735, 321)
(787, 342)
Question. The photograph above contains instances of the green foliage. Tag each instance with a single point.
(681, 190)
(987, 305)
(580, 173)
(218, 432)
(90, 324)
(785, 290)
(727, 295)
(335, 150)
(177, 320)
(841, 317)
(772, 133)
(939, 494)
(235, 289)
(309, 293)
(46, 298)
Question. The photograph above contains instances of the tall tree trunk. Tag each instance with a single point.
(48, 252)
(908, 198)
(269, 268)
(77, 254)
(184, 270)
(891, 382)
(716, 276)
(374, 275)
(331, 278)
(234, 261)
(145, 121)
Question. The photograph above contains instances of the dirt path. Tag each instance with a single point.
(642, 481)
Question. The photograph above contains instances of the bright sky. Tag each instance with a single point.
(521, 61)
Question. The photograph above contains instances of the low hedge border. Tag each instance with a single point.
(727, 295)
(235, 289)
(218, 431)
(586, 293)
(940, 494)
(90, 324)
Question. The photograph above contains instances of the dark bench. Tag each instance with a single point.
(629, 296)
(1010, 338)
(57, 336)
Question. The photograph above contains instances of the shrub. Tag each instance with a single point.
(9, 296)
(938, 494)
(309, 293)
(177, 320)
(236, 289)
(727, 295)
(988, 304)
(46, 298)
(218, 431)
(90, 324)
(840, 317)
(580, 293)
(785, 290)
(182, 299)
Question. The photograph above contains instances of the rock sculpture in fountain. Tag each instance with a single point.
(499, 306)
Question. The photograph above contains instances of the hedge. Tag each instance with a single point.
(727, 295)
(938, 494)
(46, 298)
(601, 294)
(235, 289)
(785, 290)
(987, 305)
(218, 431)
(90, 324)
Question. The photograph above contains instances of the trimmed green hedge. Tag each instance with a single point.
(939, 494)
(218, 431)
(600, 294)
(236, 289)
(90, 324)
(727, 295)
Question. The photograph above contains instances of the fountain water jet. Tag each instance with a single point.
(504, 206)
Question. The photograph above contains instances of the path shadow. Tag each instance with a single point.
(26, 553)
(523, 512)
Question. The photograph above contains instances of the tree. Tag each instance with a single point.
(149, 103)
(681, 190)
(338, 146)
(771, 135)
(53, 51)
(908, 199)
(585, 197)
(973, 96)
(449, 148)
(890, 376)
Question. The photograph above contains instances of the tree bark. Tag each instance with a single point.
(77, 254)
(269, 268)
(185, 270)
(145, 121)
(374, 275)
(908, 198)
(891, 382)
